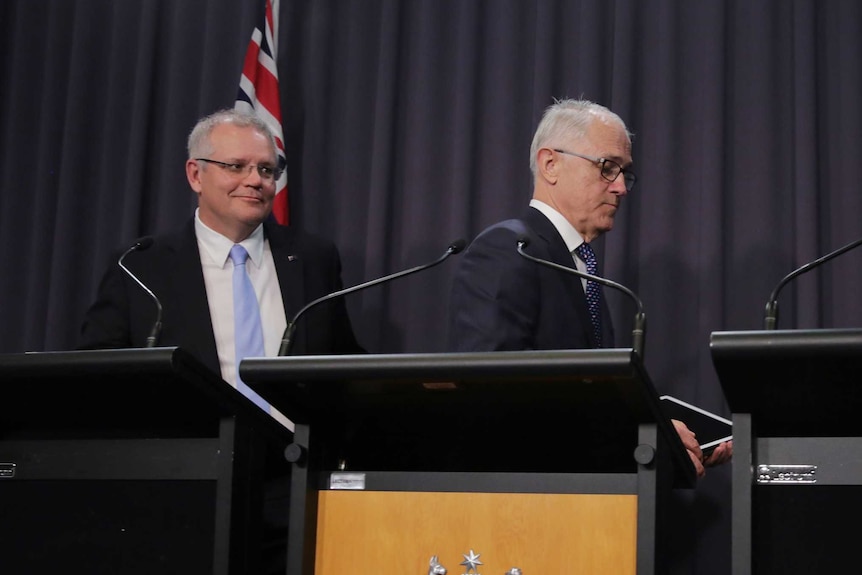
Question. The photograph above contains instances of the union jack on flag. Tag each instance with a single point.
(258, 93)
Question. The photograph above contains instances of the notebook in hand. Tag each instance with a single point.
(709, 428)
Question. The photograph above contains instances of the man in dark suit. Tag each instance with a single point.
(502, 301)
(232, 167)
(581, 162)
(306, 267)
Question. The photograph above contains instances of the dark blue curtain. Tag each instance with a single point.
(408, 125)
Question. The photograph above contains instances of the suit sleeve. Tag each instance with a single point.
(106, 322)
(327, 328)
(494, 299)
(344, 338)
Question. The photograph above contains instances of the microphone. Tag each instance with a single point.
(639, 331)
(771, 320)
(287, 340)
(141, 245)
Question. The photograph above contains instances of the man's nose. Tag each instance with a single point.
(253, 178)
(618, 186)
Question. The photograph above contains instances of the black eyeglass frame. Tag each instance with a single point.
(265, 172)
(606, 165)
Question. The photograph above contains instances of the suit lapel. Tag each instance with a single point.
(289, 268)
(559, 253)
(189, 296)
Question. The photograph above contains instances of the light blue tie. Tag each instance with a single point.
(594, 294)
(248, 332)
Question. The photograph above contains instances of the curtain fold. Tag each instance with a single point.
(408, 125)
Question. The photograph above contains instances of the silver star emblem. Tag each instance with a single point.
(471, 561)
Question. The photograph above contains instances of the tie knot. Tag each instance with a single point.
(238, 255)
(585, 252)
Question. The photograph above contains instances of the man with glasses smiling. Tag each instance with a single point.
(232, 167)
(581, 159)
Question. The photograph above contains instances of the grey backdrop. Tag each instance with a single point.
(408, 125)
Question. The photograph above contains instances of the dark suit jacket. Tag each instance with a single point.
(503, 301)
(123, 314)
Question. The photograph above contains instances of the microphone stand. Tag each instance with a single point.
(639, 331)
(287, 339)
(771, 319)
(141, 245)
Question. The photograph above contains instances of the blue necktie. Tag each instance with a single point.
(248, 332)
(594, 294)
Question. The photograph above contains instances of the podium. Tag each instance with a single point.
(129, 461)
(795, 396)
(548, 461)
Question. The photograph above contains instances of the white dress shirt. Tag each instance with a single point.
(570, 235)
(217, 268)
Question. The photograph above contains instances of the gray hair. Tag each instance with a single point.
(566, 119)
(199, 144)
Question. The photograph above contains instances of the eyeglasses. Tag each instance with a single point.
(609, 168)
(266, 173)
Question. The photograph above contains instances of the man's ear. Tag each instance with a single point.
(193, 174)
(547, 165)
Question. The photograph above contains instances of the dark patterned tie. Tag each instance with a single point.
(594, 294)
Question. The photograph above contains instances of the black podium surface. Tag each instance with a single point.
(510, 421)
(129, 461)
(795, 396)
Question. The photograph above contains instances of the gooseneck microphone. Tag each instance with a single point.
(639, 332)
(139, 246)
(771, 319)
(287, 340)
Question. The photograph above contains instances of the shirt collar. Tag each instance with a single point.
(570, 235)
(218, 246)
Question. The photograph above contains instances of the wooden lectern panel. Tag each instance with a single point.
(398, 532)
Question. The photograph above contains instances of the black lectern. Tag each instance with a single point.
(129, 461)
(796, 397)
(554, 461)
